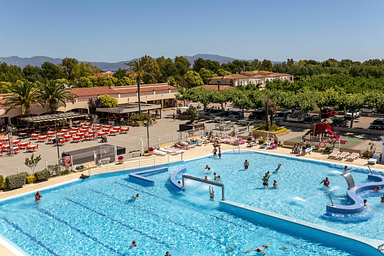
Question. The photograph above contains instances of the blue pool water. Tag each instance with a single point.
(98, 217)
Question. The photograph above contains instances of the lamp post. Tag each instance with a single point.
(148, 134)
(10, 140)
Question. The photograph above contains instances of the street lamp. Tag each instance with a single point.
(10, 140)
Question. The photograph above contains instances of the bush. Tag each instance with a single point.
(31, 179)
(2, 185)
(140, 117)
(261, 141)
(328, 150)
(65, 172)
(43, 175)
(15, 181)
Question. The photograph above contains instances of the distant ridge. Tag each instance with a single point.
(105, 66)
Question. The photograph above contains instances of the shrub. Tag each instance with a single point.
(261, 141)
(140, 117)
(15, 181)
(31, 179)
(65, 172)
(43, 175)
(328, 149)
(146, 151)
(2, 185)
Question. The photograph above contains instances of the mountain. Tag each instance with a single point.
(105, 66)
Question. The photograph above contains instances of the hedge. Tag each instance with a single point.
(2, 182)
(16, 181)
(43, 175)
(31, 179)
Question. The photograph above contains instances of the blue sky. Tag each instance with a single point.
(122, 30)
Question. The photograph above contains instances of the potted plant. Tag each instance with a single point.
(150, 150)
(121, 159)
(146, 152)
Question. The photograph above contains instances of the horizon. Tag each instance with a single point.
(246, 30)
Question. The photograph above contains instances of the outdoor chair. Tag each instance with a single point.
(334, 153)
(342, 155)
(353, 157)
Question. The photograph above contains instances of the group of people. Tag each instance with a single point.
(266, 177)
(216, 150)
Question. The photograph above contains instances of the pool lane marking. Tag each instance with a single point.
(30, 236)
(214, 216)
(78, 230)
(160, 217)
(124, 225)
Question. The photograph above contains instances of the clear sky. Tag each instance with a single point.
(121, 30)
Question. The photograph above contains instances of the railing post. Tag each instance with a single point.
(168, 158)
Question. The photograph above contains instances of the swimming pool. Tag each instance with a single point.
(98, 217)
(299, 194)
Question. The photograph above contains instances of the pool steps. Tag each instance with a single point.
(138, 177)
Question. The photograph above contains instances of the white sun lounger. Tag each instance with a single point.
(353, 157)
(373, 160)
(342, 155)
(334, 154)
(158, 152)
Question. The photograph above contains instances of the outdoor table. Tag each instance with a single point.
(23, 144)
(49, 133)
(67, 136)
(80, 134)
(105, 129)
(100, 134)
(23, 135)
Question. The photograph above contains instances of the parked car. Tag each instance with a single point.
(377, 124)
(296, 116)
(355, 114)
(257, 114)
(235, 114)
(281, 116)
(223, 114)
(339, 122)
(365, 109)
(327, 112)
(211, 112)
(311, 119)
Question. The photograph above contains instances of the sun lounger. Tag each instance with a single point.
(272, 146)
(342, 156)
(158, 152)
(373, 160)
(353, 157)
(334, 153)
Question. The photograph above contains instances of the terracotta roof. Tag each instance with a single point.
(262, 73)
(107, 74)
(233, 76)
(214, 87)
(95, 91)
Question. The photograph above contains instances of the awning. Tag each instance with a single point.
(128, 108)
(52, 117)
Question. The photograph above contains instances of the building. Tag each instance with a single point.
(251, 77)
(162, 94)
(106, 74)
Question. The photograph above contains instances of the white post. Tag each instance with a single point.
(72, 162)
(115, 152)
(94, 157)
(283, 138)
(158, 142)
(141, 147)
(46, 164)
(18, 171)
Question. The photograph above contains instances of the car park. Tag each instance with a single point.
(327, 112)
(211, 112)
(377, 124)
(339, 122)
(235, 114)
(296, 116)
(355, 114)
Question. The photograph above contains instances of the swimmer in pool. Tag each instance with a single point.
(278, 167)
(377, 189)
(246, 164)
(326, 182)
(382, 199)
(206, 178)
(207, 168)
(132, 245)
(274, 184)
(38, 196)
(260, 248)
(265, 181)
(215, 176)
(365, 202)
(135, 196)
(211, 193)
(345, 168)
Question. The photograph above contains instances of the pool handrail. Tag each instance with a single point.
(185, 176)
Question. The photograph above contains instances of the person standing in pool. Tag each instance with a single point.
(278, 167)
(326, 182)
(274, 184)
(246, 164)
(265, 180)
(219, 152)
(38, 196)
(260, 248)
(211, 193)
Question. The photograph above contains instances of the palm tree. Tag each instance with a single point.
(138, 70)
(54, 93)
(22, 94)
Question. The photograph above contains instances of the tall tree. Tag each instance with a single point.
(22, 94)
(68, 65)
(137, 69)
(152, 74)
(53, 93)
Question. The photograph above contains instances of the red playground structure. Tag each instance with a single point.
(324, 129)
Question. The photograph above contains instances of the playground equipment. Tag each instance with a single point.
(323, 129)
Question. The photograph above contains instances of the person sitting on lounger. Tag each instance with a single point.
(260, 249)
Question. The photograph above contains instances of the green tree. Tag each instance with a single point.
(182, 65)
(193, 79)
(108, 101)
(51, 71)
(68, 65)
(84, 82)
(22, 94)
(32, 162)
(153, 73)
(138, 70)
(120, 73)
(266, 65)
(192, 114)
(33, 74)
(222, 72)
(54, 93)
(206, 74)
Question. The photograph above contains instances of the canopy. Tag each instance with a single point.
(52, 117)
